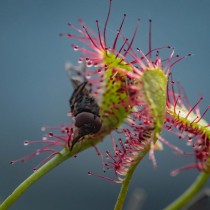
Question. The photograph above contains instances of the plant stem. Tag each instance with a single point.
(52, 163)
(125, 184)
(56, 160)
(123, 191)
(189, 193)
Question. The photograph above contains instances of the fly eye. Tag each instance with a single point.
(90, 120)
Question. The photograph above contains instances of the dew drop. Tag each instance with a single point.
(44, 138)
(80, 60)
(43, 128)
(50, 135)
(26, 143)
(66, 130)
(88, 76)
(12, 162)
(89, 64)
(38, 152)
(76, 48)
(35, 169)
(174, 172)
(189, 143)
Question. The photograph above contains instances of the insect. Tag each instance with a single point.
(84, 107)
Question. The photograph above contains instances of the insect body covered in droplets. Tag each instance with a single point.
(85, 111)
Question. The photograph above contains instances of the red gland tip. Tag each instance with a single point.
(50, 134)
(35, 169)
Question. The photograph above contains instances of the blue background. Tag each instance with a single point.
(34, 91)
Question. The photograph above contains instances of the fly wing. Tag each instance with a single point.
(78, 93)
(77, 75)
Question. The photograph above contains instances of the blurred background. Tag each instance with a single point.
(34, 91)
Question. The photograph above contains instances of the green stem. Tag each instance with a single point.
(189, 193)
(58, 159)
(124, 188)
(123, 191)
(52, 163)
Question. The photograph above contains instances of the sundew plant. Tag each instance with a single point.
(129, 97)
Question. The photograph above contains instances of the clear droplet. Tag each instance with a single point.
(26, 143)
(76, 48)
(80, 60)
(43, 128)
(44, 138)
(38, 152)
(88, 76)
(174, 172)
